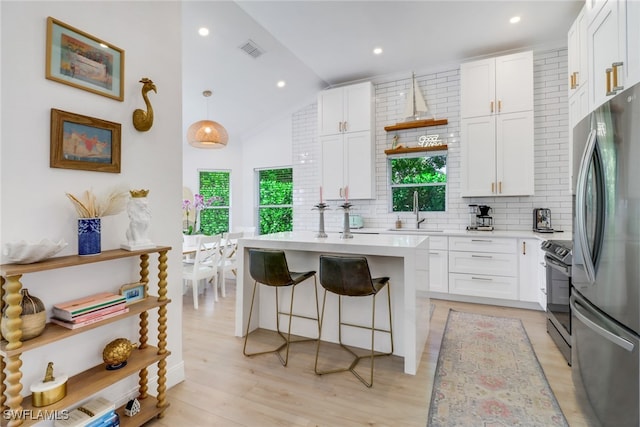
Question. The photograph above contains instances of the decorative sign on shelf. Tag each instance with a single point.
(429, 140)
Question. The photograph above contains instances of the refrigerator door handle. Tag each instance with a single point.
(582, 315)
(581, 232)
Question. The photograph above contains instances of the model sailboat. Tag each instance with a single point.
(416, 113)
(416, 107)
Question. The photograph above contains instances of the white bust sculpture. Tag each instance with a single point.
(139, 221)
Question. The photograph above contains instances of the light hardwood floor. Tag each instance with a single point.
(225, 388)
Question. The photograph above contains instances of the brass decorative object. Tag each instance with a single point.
(143, 120)
(116, 353)
(34, 317)
(50, 390)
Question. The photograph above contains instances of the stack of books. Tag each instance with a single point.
(85, 311)
(98, 412)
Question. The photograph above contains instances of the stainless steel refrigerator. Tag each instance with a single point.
(605, 300)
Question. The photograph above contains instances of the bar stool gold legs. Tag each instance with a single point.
(342, 288)
(269, 268)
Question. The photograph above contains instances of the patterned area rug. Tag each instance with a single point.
(488, 375)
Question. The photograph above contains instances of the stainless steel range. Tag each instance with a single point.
(558, 258)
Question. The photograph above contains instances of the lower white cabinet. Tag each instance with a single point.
(479, 285)
(438, 264)
(483, 267)
(529, 280)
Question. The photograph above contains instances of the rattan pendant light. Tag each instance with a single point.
(207, 133)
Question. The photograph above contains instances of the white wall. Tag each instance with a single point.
(34, 205)
(442, 89)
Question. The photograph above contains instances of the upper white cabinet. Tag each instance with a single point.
(577, 54)
(345, 120)
(499, 85)
(345, 109)
(496, 130)
(613, 45)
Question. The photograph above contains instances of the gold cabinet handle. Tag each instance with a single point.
(499, 105)
(491, 107)
(575, 79)
(615, 66)
(572, 80)
(609, 92)
(492, 187)
(524, 248)
(344, 127)
(500, 187)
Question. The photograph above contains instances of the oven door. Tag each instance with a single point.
(558, 311)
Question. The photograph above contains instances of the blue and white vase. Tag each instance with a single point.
(89, 236)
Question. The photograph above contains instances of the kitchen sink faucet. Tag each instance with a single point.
(416, 210)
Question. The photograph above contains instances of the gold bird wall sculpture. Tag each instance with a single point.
(143, 120)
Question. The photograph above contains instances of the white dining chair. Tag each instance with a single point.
(204, 266)
(229, 260)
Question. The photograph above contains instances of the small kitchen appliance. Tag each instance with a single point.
(484, 222)
(356, 221)
(473, 212)
(542, 220)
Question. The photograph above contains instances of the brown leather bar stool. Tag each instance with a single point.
(270, 268)
(351, 277)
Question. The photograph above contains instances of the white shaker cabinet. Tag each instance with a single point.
(438, 264)
(347, 160)
(496, 129)
(497, 155)
(345, 109)
(483, 267)
(607, 51)
(529, 271)
(497, 85)
(345, 120)
(577, 61)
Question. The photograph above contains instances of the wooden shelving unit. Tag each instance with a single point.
(405, 150)
(416, 124)
(91, 381)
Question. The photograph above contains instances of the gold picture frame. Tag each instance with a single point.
(84, 143)
(134, 292)
(78, 59)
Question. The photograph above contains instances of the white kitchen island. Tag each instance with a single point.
(403, 258)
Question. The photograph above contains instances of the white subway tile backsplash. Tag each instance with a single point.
(442, 93)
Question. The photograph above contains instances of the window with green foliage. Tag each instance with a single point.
(214, 219)
(275, 200)
(426, 174)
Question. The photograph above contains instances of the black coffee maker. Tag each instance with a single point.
(484, 222)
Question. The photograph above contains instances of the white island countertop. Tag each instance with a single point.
(403, 258)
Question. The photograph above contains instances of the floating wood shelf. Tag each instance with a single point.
(417, 124)
(404, 150)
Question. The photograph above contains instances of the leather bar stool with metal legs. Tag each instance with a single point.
(270, 268)
(351, 277)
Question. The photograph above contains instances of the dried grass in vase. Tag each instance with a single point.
(91, 206)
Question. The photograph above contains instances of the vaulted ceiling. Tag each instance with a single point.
(312, 45)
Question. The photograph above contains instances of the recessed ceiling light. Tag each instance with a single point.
(514, 20)
(203, 31)
(377, 50)
(282, 83)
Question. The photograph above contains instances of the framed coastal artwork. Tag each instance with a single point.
(81, 60)
(83, 142)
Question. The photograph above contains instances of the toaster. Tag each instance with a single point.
(356, 221)
(542, 220)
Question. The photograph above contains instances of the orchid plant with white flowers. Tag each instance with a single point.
(197, 204)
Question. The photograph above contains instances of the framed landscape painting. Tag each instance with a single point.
(81, 60)
(83, 142)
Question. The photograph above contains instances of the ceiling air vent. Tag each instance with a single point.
(252, 49)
